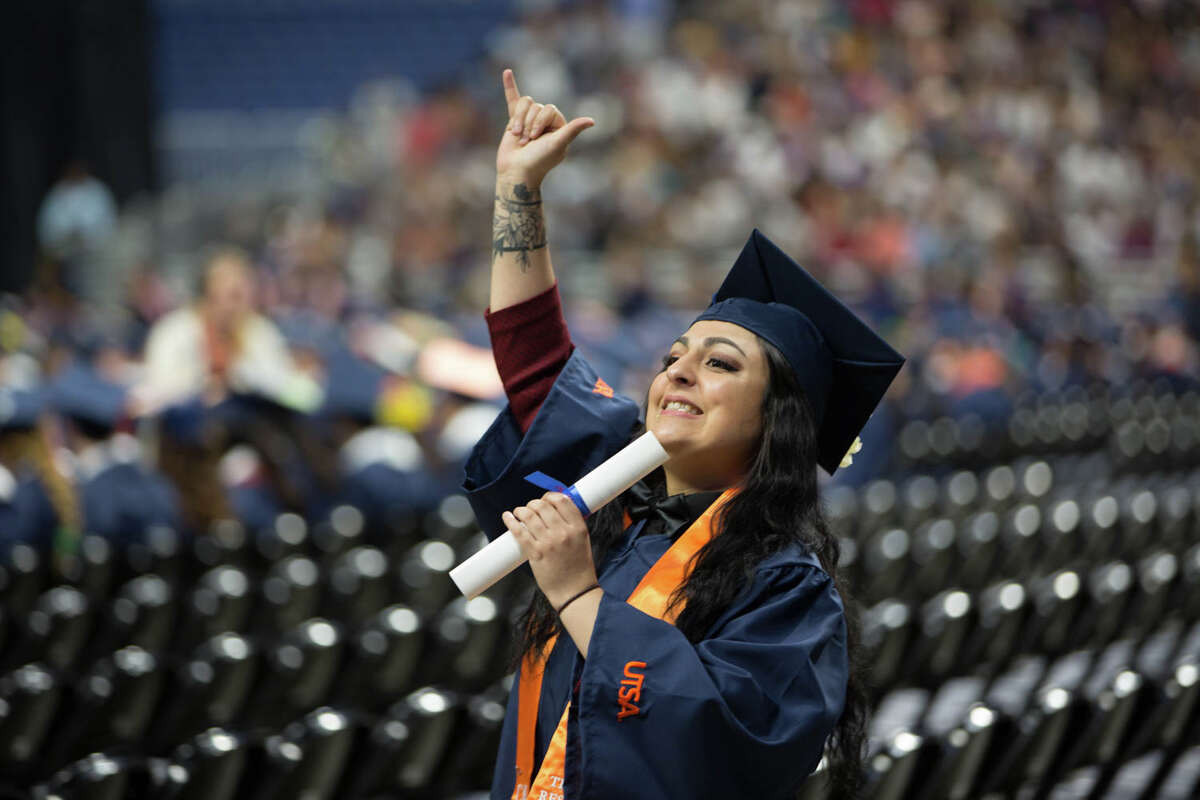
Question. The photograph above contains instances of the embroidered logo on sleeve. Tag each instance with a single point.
(630, 693)
(602, 388)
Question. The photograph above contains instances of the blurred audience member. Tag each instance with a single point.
(221, 345)
(75, 222)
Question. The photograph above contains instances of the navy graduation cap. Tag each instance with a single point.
(842, 365)
(82, 395)
(352, 387)
(20, 408)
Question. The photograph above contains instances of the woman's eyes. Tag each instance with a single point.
(712, 361)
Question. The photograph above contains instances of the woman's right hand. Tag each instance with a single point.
(535, 139)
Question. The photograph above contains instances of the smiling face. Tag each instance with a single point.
(705, 407)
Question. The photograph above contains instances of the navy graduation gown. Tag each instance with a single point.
(27, 515)
(123, 500)
(743, 713)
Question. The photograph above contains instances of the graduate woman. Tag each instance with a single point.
(688, 640)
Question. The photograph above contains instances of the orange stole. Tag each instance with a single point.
(650, 597)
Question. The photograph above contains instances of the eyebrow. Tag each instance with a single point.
(711, 340)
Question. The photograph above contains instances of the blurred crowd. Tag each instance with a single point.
(1010, 191)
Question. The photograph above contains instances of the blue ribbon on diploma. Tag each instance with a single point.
(544, 481)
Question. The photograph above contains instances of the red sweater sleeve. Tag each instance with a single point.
(531, 346)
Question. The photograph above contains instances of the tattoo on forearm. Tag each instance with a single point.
(518, 226)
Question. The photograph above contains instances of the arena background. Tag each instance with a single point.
(1006, 189)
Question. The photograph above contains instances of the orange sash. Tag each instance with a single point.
(650, 597)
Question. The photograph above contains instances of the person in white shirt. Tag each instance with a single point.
(221, 345)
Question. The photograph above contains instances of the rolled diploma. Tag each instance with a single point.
(598, 488)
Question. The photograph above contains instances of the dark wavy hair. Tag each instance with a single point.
(779, 506)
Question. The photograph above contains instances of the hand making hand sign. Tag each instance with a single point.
(536, 137)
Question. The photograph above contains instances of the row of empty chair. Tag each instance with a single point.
(924, 536)
(172, 657)
(1112, 721)
(1142, 428)
(1033, 627)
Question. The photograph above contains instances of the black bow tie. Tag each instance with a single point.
(671, 512)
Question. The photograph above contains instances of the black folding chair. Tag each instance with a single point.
(297, 673)
(208, 689)
(111, 705)
(214, 761)
(382, 659)
(32, 694)
(424, 576)
(288, 595)
(142, 613)
(401, 753)
(466, 641)
(357, 586)
(306, 760)
(58, 627)
(221, 601)
(342, 531)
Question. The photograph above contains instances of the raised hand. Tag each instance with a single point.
(536, 137)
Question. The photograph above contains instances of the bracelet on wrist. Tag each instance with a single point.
(575, 597)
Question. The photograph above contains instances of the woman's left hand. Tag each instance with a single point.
(552, 534)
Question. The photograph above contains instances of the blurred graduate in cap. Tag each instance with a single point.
(122, 497)
(38, 507)
(270, 462)
(381, 468)
(690, 639)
